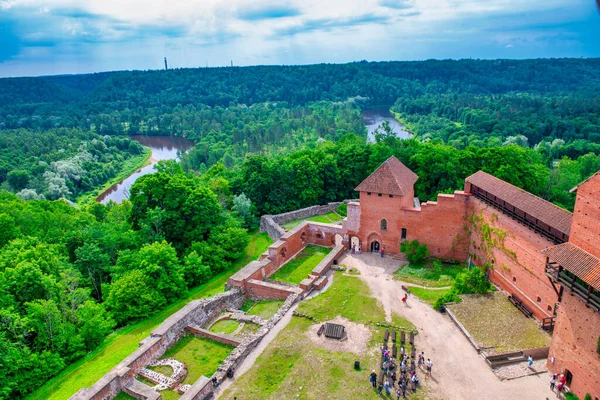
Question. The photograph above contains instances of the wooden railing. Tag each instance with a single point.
(576, 286)
(548, 324)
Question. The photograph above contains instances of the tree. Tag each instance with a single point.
(471, 281)
(94, 323)
(132, 296)
(242, 205)
(415, 252)
(195, 270)
(93, 263)
(18, 179)
(8, 229)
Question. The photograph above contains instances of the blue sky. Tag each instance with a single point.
(43, 37)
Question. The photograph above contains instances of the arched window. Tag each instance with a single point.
(383, 225)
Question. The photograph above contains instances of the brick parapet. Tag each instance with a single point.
(217, 337)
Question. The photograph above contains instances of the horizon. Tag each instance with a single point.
(298, 65)
(66, 37)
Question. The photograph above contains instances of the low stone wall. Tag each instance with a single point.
(200, 390)
(325, 264)
(272, 223)
(268, 290)
(463, 330)
(197, 312)
(217, 337)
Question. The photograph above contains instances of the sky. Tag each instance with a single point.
(49, 37)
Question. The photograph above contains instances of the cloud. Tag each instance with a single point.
(329, 24)
(269, 12)
(508, 46)
(397, 4)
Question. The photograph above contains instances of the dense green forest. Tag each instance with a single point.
(60, 162)
(268, 140)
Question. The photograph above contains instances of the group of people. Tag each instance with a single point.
(356, 250)
(559, 382)
(398, 376)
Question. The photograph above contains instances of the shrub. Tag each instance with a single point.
(471, 281)
(416, 253)
(598, 346)
(587, 397)
(451, 297)
(571, 396)
(342, 209)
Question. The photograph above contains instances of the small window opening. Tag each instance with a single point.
(514, 278)
(383, 225)
(379, 194)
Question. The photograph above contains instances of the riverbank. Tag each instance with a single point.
(129, 167)
(409, 127)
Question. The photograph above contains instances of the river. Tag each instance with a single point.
(374, 117)
(163, 148)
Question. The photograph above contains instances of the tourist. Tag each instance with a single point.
(384, 366)
(373, 379)
(382, 252)
(414, 378)
(353, 248)
(553, 382)
(563, 379)
(402, 352)
(429, 365)
(386, 385)
(230, 372)
(393, 379)
(399, 393)
(380, 388)
(529, 361)
(215, 381)
(359, 249)
(404, 299)
(421, 358)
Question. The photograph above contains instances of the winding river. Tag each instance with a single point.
(163, 148)
(374, 117)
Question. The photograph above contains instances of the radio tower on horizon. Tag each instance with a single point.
(166, 67)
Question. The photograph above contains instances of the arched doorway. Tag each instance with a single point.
(338, 239)
(354, 242)
(374, 243)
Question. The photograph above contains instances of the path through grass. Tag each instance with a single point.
(293, 367)
(297, 269)
(122, 342)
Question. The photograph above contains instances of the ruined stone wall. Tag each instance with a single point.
(585, 228)
(200, 390)
(518, 265)
(574, 344)
(197, 312)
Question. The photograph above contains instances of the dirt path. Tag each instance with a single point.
(458, 371)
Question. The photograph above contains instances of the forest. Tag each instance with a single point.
(268, 140)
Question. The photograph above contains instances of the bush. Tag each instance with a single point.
(587, 397)
(342, 209)
(598, 346)
(416, 253)
(451, 297)
(571, 396)
(471, 281)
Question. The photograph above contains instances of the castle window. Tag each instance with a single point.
(403, 236)
(539, 299)
(550, 308)
(368, 193)
(383, 225)
(391, 196)
(379, 194)
(514, 278)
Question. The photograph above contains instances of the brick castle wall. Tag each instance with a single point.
(574, 344)
(518, 265)
(585, 228)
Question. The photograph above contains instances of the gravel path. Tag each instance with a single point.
(458, 371)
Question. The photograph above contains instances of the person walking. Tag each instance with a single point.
(382, 252)
(553, 382)
(373, 379)
(429, 365)
(359, 249)
(530, 361)
(404, 299)
(353, 248)
(421, 358)
(386, 385)
(380, 388)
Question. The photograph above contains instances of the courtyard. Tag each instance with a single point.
(298, 268)
(293, 364)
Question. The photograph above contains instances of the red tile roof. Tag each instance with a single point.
(576, 260)
(544, 211)
(392, 177)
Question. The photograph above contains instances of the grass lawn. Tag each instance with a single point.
(202, 356)
(123, 396)
(297, 269)
(328, 218)
(496, 324)
(225, 326)
(292, 367)
(428, 295)
(162, 369)
(248, 329)
(432, 274)
(265, 308)
(121, 343)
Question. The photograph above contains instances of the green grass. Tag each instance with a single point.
(121, 343)
(293, 367)
(162, 369)
(225, 326)
(432, 274)
(248, 329)
(328, 218)
(297, 269)
(202, 356)
(496, 324)
(123, 396)
(265, 308)
(428, 295)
